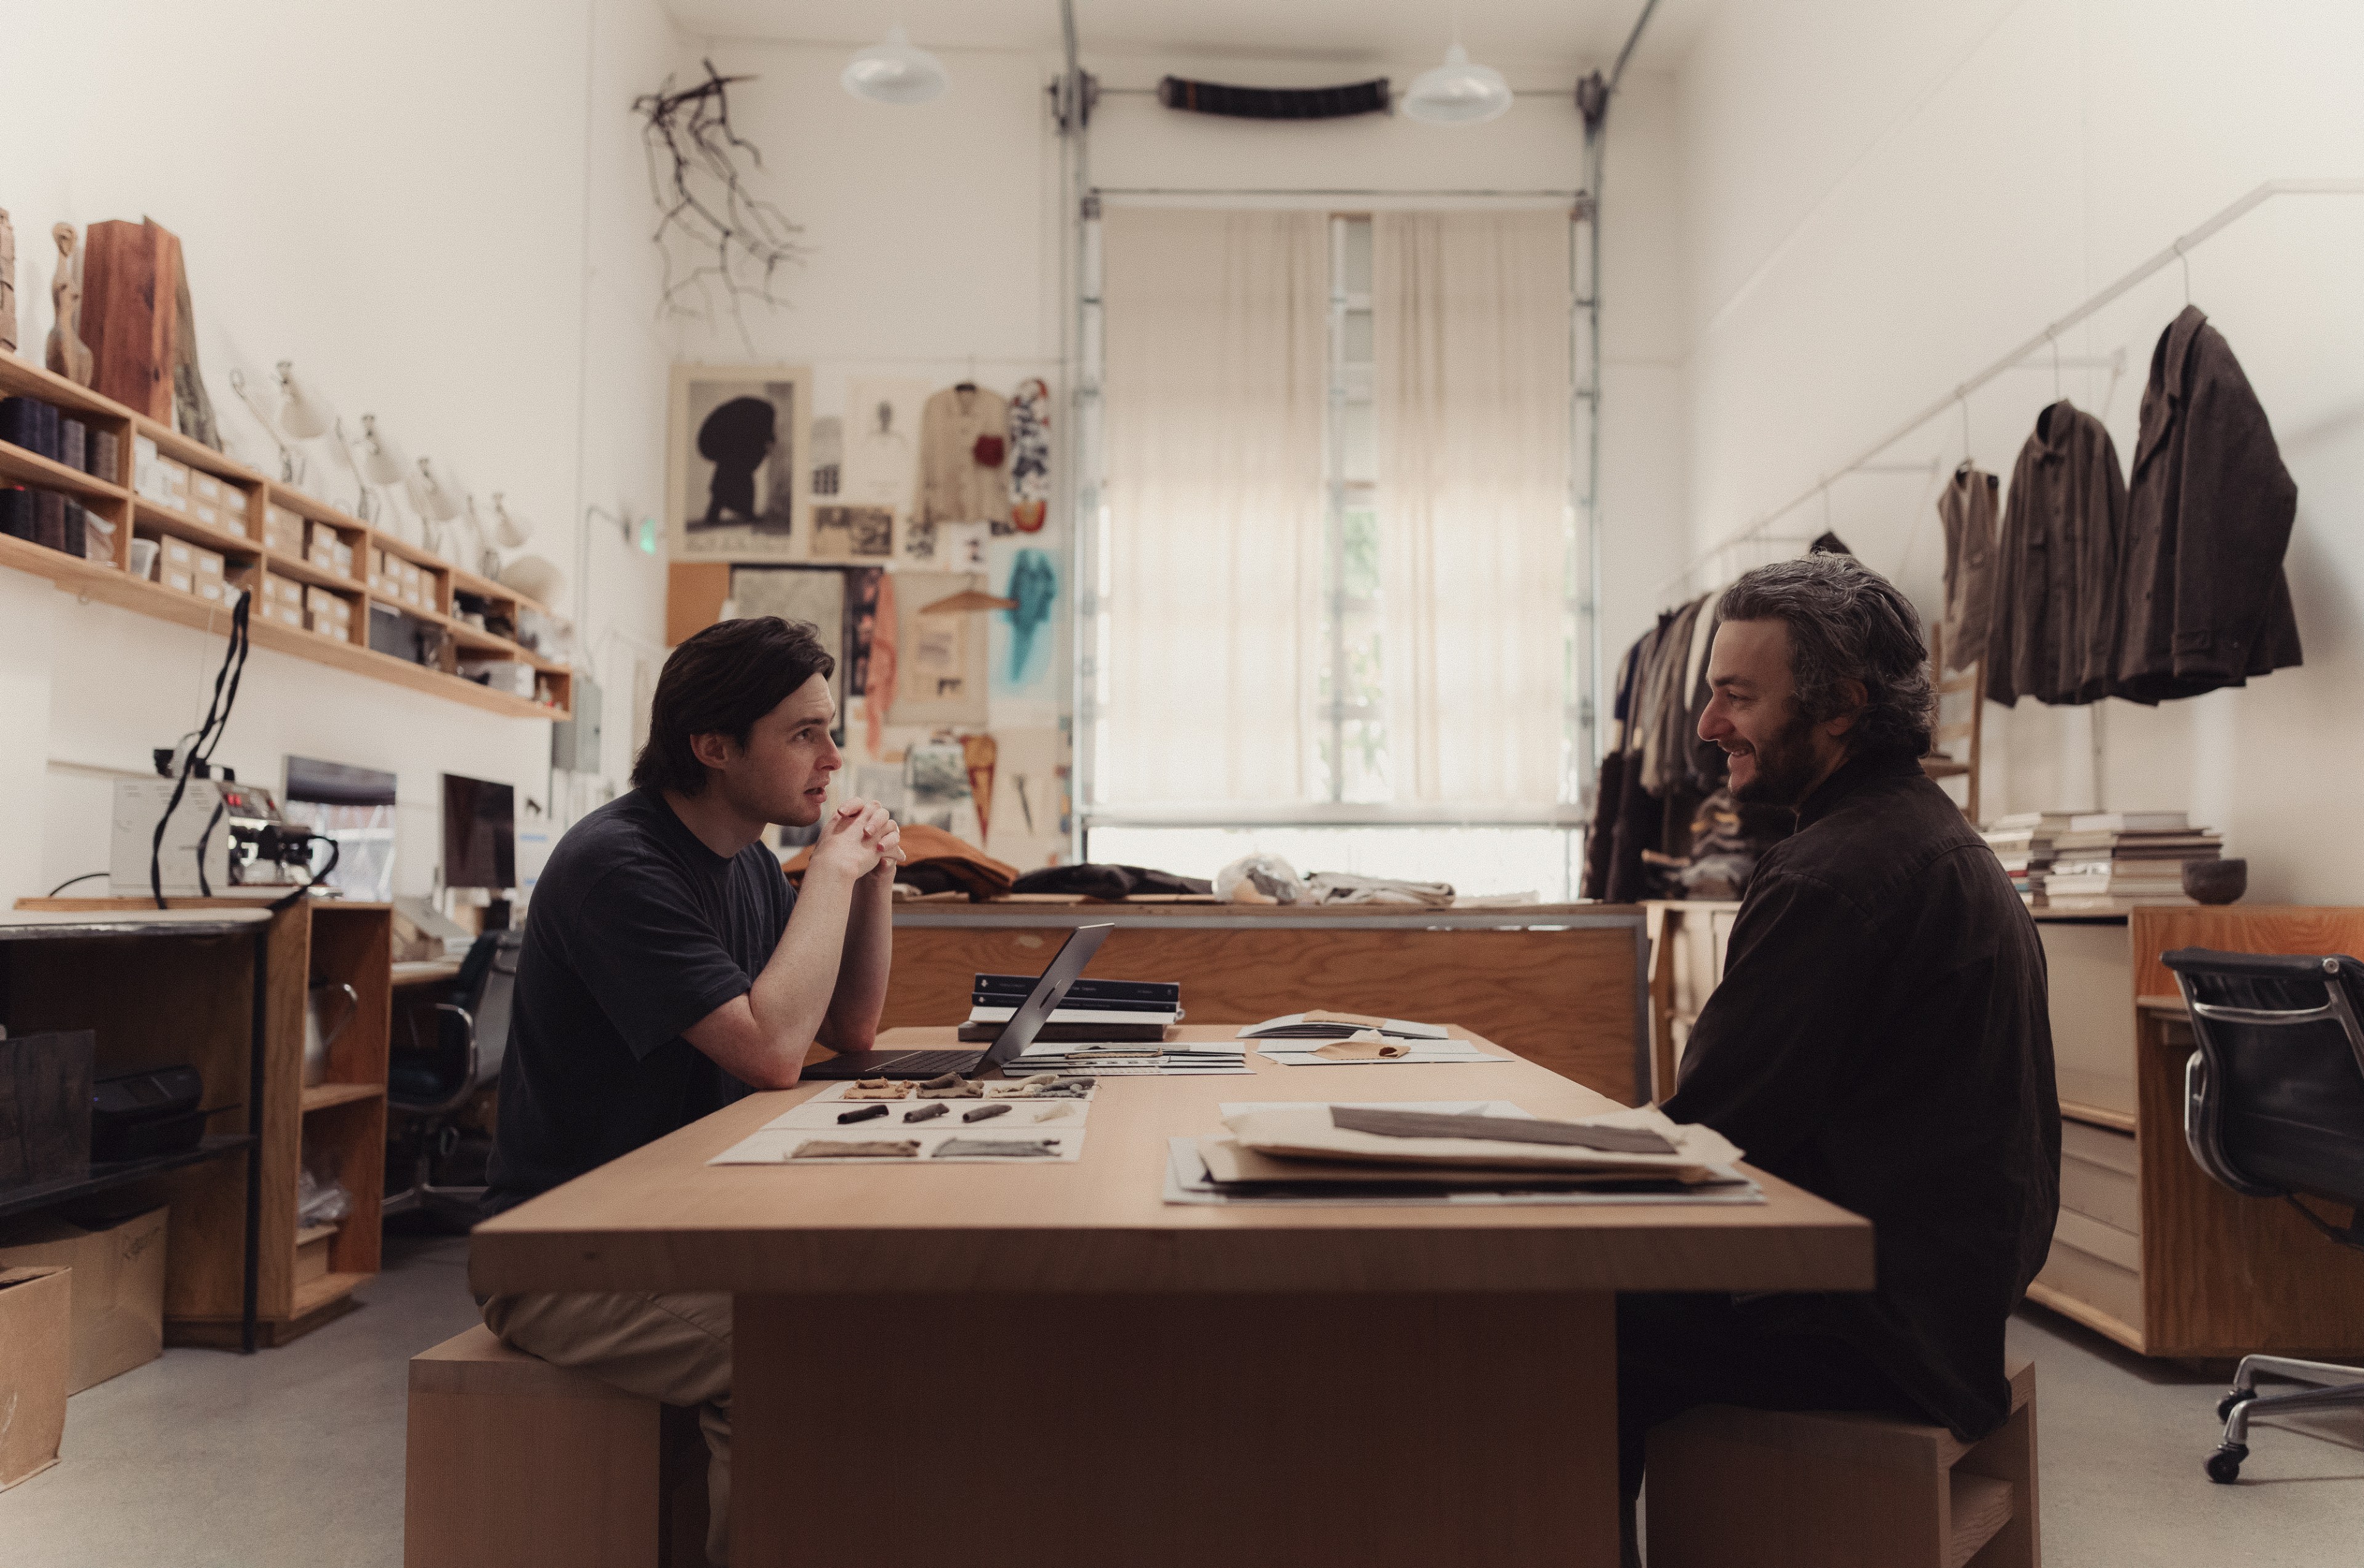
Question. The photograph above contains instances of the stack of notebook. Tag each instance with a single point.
(1445, 1152)
(1100, 1011)
(2107, 861)
(2025, 844)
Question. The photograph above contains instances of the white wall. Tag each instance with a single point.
(441, 218)
(1879, 199)
(937, 243)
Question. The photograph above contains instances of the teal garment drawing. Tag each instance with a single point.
(1033, 584)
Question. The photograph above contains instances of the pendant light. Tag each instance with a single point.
(1457, 93)
(896, 72)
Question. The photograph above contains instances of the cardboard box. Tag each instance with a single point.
(208, 563)
(179, 582)
(116, 1286)
(36, 1345)
(282, 531)
(205, 490)
(177, 554)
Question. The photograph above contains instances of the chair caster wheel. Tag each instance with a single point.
(2239, 1396)
(2224, 1464)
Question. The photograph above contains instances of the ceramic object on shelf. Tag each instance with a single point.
(2216, 882)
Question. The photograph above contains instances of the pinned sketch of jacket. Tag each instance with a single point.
(2208, 520)
(2053, 627)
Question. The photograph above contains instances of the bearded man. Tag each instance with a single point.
(1880, 1036)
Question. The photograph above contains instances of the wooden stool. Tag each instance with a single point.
(1774, 1489)
(513, 1461)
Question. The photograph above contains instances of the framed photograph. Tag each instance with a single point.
(853, 533)
(738, 478)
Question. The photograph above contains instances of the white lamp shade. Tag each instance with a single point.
(300, 416)
(535, 577)
(1457, 93)
(896, 72)
(509, 531)
(434, 498)
(380, 463)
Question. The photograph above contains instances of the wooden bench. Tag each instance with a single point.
(514, 1462)
(1776, 1489)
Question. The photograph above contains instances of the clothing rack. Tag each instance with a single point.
(2175, 252)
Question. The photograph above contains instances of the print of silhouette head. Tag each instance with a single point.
(735, 438)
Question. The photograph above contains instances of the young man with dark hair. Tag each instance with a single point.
(668, 968)
(1880, 1036)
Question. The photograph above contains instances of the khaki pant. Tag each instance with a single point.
(672, 1349)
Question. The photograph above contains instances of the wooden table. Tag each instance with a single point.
(1049, 1365)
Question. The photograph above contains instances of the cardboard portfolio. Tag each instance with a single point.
(116, 1287)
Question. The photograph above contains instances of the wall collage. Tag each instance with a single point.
(912, 524)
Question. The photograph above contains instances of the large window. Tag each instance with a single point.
(1333, 550)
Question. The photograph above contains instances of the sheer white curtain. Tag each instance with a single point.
(1215, 388)
(1471, 311)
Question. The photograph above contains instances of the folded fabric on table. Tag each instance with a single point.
(1637, 1142)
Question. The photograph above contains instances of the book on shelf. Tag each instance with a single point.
(2166, 868)
(2022, 821)
(2175, 842)
(2129, 822)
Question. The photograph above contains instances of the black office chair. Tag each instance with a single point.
(433, 1081)
(2274, 1106)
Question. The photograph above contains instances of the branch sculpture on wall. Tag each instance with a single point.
(701, 187)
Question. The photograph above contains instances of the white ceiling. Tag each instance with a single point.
(1501, 32)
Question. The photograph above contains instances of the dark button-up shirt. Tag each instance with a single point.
(1880, 1038)
(2052, 634)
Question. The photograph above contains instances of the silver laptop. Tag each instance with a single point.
(1016, 1035)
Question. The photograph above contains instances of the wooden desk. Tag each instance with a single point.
(1563, 985)
(1059, 1368)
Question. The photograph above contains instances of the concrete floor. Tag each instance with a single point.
(209, 1459)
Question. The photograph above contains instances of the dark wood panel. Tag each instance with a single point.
(1565, 999)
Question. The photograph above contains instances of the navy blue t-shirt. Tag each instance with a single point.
(636, 931)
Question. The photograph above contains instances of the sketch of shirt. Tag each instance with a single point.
(957, 430)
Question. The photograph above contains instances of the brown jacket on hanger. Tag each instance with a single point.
(2208, 518)
(2052, 634)
(1967, 509)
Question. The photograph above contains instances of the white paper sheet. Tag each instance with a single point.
(1187, 1183)
(1300, 1053)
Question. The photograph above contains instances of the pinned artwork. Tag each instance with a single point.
(935, 783)
(881, 463)
(1029, 456)
(813, 594)
(827, 451)
(853, 533)
(1022, 636)
(737, 480)
(941, 658)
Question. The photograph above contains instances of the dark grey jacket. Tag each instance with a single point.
(2053, 633)
(2208, 518)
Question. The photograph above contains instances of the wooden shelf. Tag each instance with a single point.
(321, 1096)
(113, 583)
(147, 515)
(32, 468)
(314, 1293)
(106, 1177)
(2098, 1115)
(426, 971)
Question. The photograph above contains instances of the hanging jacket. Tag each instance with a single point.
(2209, 515)
(2053, 632)
(1967, 510)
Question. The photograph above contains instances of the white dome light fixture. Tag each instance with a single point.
(1457, 93)
(896, 72)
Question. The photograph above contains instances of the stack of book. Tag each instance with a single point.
(2109, 861)
(2025, 845)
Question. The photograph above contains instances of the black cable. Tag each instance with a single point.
(204, 889)
(336, 854)
(234, 654)
(72, 880)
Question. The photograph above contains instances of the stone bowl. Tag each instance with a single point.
(2215, 881)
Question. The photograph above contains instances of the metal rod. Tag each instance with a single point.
(2173, 253)
(1617, 71)
(1340, 192)
(1081, 366)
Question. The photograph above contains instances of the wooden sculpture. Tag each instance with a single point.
(68, 354)
(7, 283)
